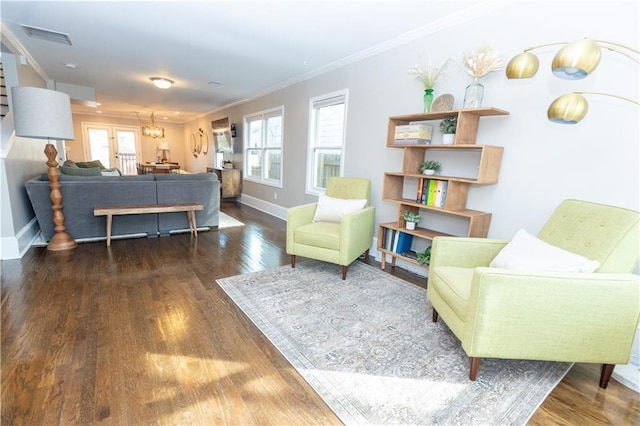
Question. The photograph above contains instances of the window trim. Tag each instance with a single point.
(264, 115)
(319, 102)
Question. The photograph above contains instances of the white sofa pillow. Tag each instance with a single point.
(331, 209)
(526, 252)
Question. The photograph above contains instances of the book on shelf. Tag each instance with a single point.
(425, 191)
(396, 237)
(420, 193)
(388, 241)
(404, 242)
(431, 194)
(441, 193)
(411, 142)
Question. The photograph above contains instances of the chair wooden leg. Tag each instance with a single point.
(475, 365)
(366, 257)
(434, 315)
(293, 260)
(605, 375)
(344, 273)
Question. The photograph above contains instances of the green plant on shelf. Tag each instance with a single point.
(431, 165)
(448, 125)
(410, 216)
(424, 258)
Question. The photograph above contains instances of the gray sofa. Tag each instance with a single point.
(82, 193)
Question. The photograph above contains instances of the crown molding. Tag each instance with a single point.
(12, 42)
(465, 15)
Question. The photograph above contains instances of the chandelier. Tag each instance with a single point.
(151, 130)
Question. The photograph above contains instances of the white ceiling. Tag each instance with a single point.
(250, 47)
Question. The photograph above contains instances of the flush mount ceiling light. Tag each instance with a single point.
(161, 82)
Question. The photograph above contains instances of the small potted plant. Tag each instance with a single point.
(430, 167)
(448, 129)
(424, 258)
(412, 218)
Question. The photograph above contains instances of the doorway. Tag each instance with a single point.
(114, 146)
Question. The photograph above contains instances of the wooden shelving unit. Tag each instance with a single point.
(393, 191)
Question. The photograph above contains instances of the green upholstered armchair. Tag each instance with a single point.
(335, 242)
(549, 316)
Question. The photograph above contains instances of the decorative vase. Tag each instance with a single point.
(428, 99)
(448, 138)
(473, 95)
(411, 226)
(428, 172)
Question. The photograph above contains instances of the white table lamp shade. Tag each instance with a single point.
(41, 113)
(163, 145)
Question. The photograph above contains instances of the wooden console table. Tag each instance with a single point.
(160, 167)
(110, 211)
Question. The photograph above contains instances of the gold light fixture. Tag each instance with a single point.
(574, 61)
(161, 82)
(151, 131)
(573, 107)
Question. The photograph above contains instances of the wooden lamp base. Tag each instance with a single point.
(60, 240)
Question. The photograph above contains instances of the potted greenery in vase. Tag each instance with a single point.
(430, 167)
(412, 218)
(448, 129)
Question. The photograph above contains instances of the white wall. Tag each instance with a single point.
(544, 163)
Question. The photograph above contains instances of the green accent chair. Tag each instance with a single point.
(549, 316)
(340, 243)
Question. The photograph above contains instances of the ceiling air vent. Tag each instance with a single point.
(48, 35)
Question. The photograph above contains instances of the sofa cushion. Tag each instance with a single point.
(181, 177)
(111, 172)
(100, 178)
(319, 234)
(526, 252)
(90, 164)
(79, 171)
(453, 284)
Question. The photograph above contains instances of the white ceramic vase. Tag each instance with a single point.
(411, 226)
(428, 172)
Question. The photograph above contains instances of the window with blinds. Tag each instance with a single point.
(263, 146)
(327, 127)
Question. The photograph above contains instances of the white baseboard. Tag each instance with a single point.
(264, 206)
(628, 375)
(15, 247)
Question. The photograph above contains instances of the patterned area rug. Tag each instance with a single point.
(368, 347)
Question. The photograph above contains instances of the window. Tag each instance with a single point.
(263, 146)
(327, 125)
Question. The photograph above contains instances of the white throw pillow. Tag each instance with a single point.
(526, 252)
(331, 209)
(110, 172)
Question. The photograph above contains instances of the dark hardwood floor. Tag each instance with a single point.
(140, 333)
